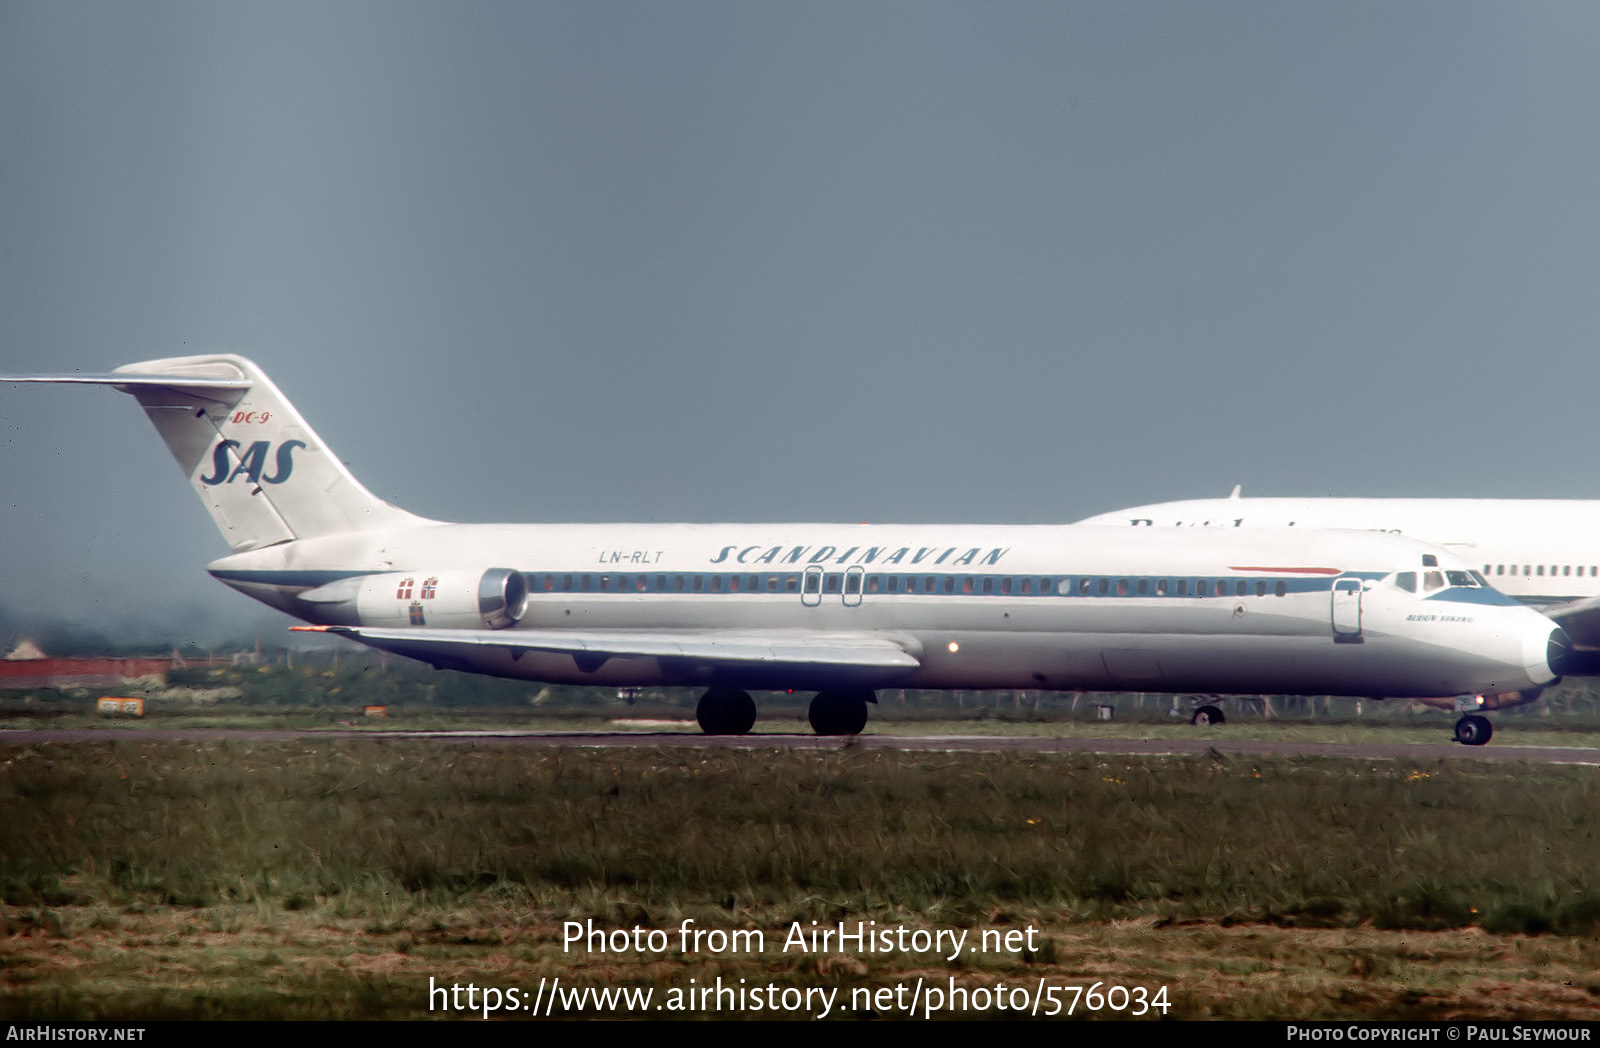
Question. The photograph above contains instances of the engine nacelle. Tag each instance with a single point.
(493, 599)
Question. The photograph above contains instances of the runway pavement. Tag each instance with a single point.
(690, 740)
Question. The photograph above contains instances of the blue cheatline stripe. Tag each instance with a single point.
(1472, 595)
(876, 585)
(788, 584)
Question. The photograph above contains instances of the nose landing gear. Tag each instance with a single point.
(1473, 730)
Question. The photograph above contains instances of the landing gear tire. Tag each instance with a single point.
(1206, 715)
(840, 712)
(1473, 730)
(726, 711)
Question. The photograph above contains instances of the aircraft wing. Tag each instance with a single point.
(1581, 620)
(723, 648)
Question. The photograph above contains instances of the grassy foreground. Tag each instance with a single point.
(326, 878)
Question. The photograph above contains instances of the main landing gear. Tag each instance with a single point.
(729, 711)
(1473, 730)
(842, 712)
(726, 711)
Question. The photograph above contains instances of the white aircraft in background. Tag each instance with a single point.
(842, 609)
(1542, 551)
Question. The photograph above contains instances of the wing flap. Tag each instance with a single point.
(1581, 620)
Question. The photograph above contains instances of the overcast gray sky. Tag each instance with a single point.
(911, 262)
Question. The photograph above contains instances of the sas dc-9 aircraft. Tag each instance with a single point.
(840, 609)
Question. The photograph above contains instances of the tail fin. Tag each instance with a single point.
(262, 472)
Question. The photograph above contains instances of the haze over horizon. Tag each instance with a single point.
(927, 262)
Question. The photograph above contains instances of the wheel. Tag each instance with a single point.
(1206, 715)
(839, 712)
(726, 711)
(1473, 730)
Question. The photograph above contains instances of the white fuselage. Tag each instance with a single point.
(1541, 551)
(1058, 607)
(835, 607)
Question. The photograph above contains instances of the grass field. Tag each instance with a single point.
(326, 878)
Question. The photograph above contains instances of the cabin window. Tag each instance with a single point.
(1281, 589)
(1161, 587)
(1183, 587)
(1103, 586)
(1202, 588)
(1144, 586)
(1261, 587)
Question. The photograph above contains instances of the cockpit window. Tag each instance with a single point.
(1433, 580)
(1406, 580)
(1481, 580)
(1460, 578)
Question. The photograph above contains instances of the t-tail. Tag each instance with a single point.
(263, 473)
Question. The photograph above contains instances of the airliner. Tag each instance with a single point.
(840, 609)
(1540, 551)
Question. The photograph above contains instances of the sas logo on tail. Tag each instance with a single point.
(252, 462)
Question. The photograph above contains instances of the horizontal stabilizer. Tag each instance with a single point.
(163, 381)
